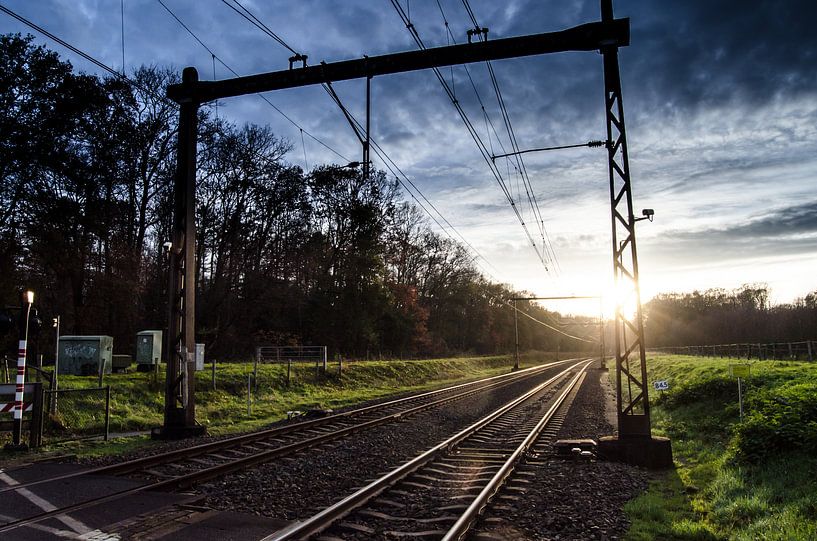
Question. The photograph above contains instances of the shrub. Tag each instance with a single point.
(778, 420)
(713, 388)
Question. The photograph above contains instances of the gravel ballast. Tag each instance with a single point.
(299, 486)
(567, 499)
(563, 500)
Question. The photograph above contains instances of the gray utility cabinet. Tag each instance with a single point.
(149, 347)
(199, 357)
(83, 355)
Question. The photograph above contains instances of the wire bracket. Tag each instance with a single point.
(478, 31)
(298, 58)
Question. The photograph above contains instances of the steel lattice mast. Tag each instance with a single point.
(631, 369)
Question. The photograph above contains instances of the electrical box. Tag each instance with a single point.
(84, 355)
(199, 357)
(121, 363)
(148, 347)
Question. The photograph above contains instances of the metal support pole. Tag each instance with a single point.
(631, 368)
(107, 412)
(180, 345)
(56, 384)
(366, 144)
(516, 334)
(740, 399)
(255, 365)
(101, 371)
(37, 415)
(602, 364)
(249, 394)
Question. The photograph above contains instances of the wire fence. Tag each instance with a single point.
(784, 351)
(290, 355)
(77, 414)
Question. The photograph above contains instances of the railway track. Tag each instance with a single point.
(185, 467)
(442, 492)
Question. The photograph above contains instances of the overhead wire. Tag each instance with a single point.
(120, 76)
(231, 70)
(359, 130)
(451, 39)
(550, 326)
(303, 146)
(248, 15)
(122, 13)
(484, 151)
(529, 190)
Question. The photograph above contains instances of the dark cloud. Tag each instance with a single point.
(707, 53)
(788, 221)
(785, 231)
(686, 55)
(721, 101)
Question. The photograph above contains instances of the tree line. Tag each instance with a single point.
(720, 316)
(284, 256)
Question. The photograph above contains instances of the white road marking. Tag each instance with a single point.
(53, 531)
(99, 535)
(45, 505)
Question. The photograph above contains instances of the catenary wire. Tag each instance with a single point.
(405, 181)
(473, 133)
(529, 191)
(550, 326)
(79, 52)
(231, 70)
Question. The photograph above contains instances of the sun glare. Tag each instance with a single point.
(622, 296)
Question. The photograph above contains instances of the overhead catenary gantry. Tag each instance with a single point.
(556, 298)
(605, 36)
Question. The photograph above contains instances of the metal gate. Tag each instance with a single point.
(77, 414)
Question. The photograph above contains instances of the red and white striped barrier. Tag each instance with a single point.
(10, 406)
(21, 381)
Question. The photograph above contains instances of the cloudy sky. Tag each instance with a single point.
(720, 99)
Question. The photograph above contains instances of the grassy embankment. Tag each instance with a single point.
(743, 480)
(137, 398)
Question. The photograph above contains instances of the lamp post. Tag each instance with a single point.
(27, 301)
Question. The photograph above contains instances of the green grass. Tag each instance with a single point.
(747, 479)
(137, 399)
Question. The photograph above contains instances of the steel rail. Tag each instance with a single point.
(463, 524)
(244, 462)
(198, 450)
(325, 518)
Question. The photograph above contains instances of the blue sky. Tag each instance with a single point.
(720, 99)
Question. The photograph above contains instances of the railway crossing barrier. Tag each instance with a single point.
(32, 405)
